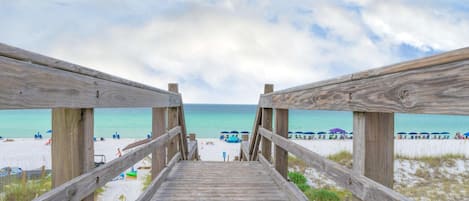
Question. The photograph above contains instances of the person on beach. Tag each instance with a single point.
(119, 153)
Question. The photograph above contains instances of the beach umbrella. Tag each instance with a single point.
(445, 133)
(337, 130)
(308, 133)
(49, 131)
(225, 132)
(245, 132)
(351, 133)
(401, 133)
(289, 132)
(436, 133)
(321, 133)
(466, 134)
(424, 133)
(234, 132)
(413, 133)
(299, 132)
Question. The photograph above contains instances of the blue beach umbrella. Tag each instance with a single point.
(289, 132)
(466, 134)
(299, 132)
(413, 133)
(401, 133)
(234, 132)
(308, 133)
(49, 131)
(424, 133)
(321, 133)
(245, 132)
(436, 133)
(225, 132)
(445, 133)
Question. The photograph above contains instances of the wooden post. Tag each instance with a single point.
(266, 147)
(158, 161)
(72, 144)
(192, 137)
(245, 137)
(281, 128)
(172, 122)
(373, 146)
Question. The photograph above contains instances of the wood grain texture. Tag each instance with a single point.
(360, 186)
(73, 146)
(201, 180)
(173, 115)
(245, 151)
(266, 144)
(290, 188)
(254, 142)
(192, 150)
(281, 129)
(34, 58)
(373, 146)
(158, 156)
(159, 179)
(81, 186)
(35, 86)
(435, 89)
(183, 142)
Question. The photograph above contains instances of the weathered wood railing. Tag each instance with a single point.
(433, 85)
(30, 80)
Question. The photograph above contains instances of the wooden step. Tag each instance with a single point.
(211, 181)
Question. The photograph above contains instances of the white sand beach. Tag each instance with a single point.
(32, 154)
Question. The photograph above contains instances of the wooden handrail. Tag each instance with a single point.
(292, 190)
(81, 186)
(361, 186)
(156, 183)
(432, 85)
(37, 81)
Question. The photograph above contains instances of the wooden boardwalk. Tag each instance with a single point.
(201, 180)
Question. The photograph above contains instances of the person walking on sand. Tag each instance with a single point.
(119, 153)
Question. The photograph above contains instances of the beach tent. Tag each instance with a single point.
(233, 139)
(337, 131)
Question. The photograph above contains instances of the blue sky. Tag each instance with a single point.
(224, 51)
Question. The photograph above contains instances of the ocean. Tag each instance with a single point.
(208, 120)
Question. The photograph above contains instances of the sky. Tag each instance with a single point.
(222, 51)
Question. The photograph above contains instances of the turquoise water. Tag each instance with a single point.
(207, 120)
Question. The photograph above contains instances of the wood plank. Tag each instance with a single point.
(292, 190)
(158, 180)
(158, 159)
(35, 86)
(360, 186)
(281, 129)
(200, 180)
(253, 147)
(266, 122)
(245, 150)
(173, 121)
(183, 142)
(34, 58)
(72, 147)
(192, 150)
(83, 185)
(435, 89)
(373, 146)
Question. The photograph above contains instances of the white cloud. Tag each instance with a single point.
(224, 51)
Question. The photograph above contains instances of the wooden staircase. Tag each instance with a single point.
(201, 180)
